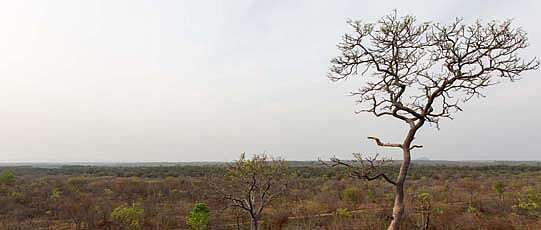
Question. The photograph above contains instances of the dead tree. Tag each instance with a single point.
(419, 73)
(252, 184)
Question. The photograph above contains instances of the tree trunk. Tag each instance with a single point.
(426, 224)
(255, 225)
(237, 219)
(398, 208)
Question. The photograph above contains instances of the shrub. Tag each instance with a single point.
(128, 217)
(352, 195)
(199, 216)
(343, 212)
(7, 176)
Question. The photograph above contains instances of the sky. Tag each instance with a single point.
(126, 81)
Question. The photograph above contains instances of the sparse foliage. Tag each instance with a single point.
(252, 184)
(313, 200)
(420, 73)
(499, 187)
(423, 203)
(352, 195)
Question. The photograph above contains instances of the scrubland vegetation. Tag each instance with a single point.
(308, 196)
(417, 73)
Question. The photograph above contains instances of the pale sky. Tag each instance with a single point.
(207, 80)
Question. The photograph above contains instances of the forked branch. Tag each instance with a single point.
(378, 142)
(367, 168)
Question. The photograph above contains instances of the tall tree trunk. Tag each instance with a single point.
(398, 208)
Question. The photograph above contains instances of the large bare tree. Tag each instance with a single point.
(419, 73)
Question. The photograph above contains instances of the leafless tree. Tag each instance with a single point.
(252, 184)
(419, 73)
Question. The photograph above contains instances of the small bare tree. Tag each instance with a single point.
(252, 184)
(420, 73)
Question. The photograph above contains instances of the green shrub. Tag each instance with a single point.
(343, 212)
(7, 176)
(199, 216)
(352, 195)
(128, 217)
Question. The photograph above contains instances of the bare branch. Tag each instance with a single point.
(421, 73)
(367, 168)
(404, 61)
(378, 142)
(252, 184)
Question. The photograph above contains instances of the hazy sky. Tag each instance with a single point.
(207, 80)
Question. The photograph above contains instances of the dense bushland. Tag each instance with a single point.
(442, 196)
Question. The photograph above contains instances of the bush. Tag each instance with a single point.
(343, 212)
(128, 217)
(7, 176)
(199, 216)
(352, 195)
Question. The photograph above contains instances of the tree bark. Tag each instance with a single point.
(255, 225)
(398, 208)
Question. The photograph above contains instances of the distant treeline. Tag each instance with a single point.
(301, 169)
